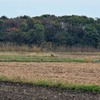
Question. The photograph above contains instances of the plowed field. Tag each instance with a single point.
(77, 73)
(16, 91)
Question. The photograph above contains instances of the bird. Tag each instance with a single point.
(52, 55)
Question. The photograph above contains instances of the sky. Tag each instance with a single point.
(14, 8)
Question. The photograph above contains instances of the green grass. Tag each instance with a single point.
(77, 87)
(96, 60)
(58, 85)
(47, 57)
(19, 58)
(3, 78)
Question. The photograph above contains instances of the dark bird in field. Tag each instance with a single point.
(41, 60)
(52, 55)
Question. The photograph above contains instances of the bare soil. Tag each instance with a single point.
(18, 91)
(75, 73)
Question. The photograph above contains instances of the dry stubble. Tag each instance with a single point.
(78, 73)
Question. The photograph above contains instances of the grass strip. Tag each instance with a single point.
(18, 58)
(58, 85)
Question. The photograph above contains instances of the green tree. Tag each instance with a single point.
(61, 38)
(36, 35)
(1, 25)
(91, 37)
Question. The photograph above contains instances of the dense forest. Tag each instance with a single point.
(79, 31)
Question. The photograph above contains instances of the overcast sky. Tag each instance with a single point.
(14, 8)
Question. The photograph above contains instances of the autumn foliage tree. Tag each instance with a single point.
(61, 31)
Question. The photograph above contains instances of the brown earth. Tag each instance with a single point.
(76, 73)
(80, 73)
(18, 91)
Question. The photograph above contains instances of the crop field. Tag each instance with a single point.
(76, 72)
(74, 68)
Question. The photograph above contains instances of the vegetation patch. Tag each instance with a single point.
(78, 33)
(96, 60)
(57, 84)
(19, 58)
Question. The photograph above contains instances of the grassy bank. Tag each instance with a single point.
(47, 57)
(19, 58)
(58, 85)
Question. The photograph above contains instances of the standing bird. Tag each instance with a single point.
(52, 55)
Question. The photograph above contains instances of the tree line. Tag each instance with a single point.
(65, 31)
